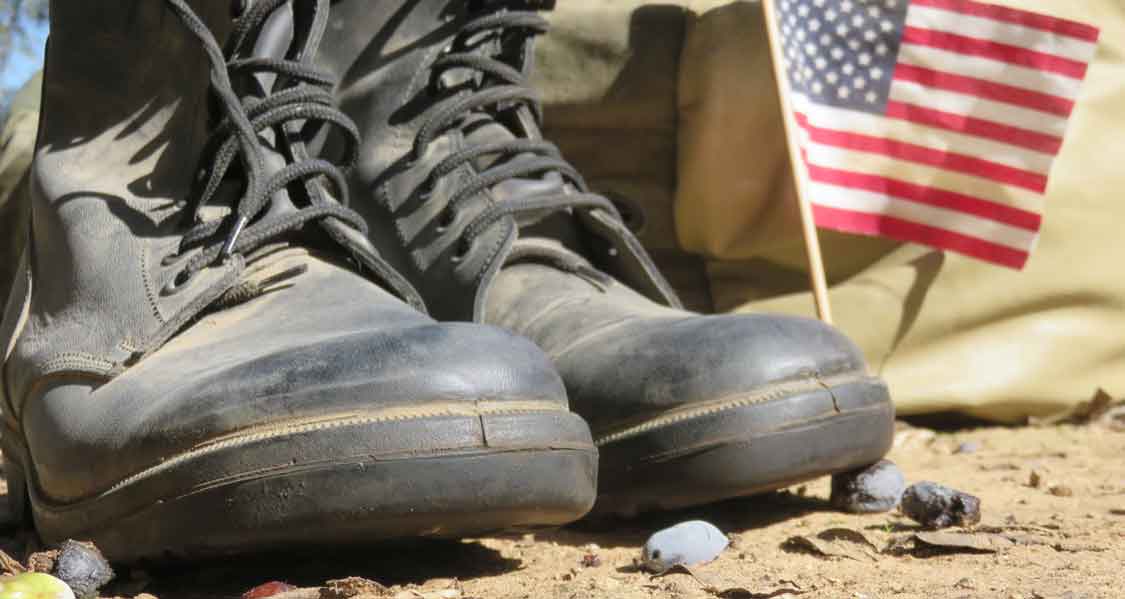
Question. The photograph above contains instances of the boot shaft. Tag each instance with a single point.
(124, 117)
(453, 169)
(143, 110)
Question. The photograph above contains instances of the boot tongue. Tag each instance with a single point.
(518, 122)
(550, 235)
(480, 130)
(505, 125)
(273, 41)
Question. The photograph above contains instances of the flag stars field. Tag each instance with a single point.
(932, 121)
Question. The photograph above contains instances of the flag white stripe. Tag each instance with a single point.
(885, 166)
(977, 107)
(1007, 33)
(851, 121)
(1044, 82)
(951, 220)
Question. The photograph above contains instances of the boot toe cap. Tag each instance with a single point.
(652, 365)
(86, 438)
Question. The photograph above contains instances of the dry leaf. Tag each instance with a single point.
(1077, 548)
(737, 592)
(837, 542)
(306, 593)
(910, 437)
(352, 588)
(981, 542)
(741, 593)
(10, 564)
(1094, 411)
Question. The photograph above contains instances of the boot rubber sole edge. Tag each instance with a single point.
(341, 482)
(792, 434)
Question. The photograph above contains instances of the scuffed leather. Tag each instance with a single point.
(325, 343)
(302, 336)
(625, 359)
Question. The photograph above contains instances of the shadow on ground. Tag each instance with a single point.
(397, 564)
(733, 516)
(416, 562)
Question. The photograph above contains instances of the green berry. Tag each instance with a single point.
(33, 585)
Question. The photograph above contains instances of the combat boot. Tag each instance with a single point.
(491, 224)
(216, 363)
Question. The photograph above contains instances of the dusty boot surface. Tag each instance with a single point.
(491, 224)
(204, 353)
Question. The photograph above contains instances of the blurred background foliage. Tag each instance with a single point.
(23, 33)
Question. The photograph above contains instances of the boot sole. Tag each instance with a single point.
(333, 482)
(754, 443)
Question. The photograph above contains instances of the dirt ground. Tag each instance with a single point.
(1064, 538)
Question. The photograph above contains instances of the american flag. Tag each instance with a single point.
(932, 121)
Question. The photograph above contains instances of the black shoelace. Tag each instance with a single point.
(306, 97)
(501, 85)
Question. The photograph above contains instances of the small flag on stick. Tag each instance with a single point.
(929, 121)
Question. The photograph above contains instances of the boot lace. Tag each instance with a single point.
(302, 94)
(501, 86)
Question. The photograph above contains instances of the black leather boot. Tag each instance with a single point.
(220, 363)
(491, 224)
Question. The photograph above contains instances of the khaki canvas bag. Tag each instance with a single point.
(671, 108)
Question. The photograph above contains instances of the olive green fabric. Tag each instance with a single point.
(946, 332)
(17, 143)
(607, 74)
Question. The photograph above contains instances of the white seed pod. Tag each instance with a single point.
(685, 544)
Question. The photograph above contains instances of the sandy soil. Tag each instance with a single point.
(1064, 538)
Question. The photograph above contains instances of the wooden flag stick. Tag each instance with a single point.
(808, 224)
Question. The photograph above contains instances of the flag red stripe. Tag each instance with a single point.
(1016, 17)
(930, 196)
(989, 90)
(994, 50)
(877, 224)
(922, 155)
(1016, 136)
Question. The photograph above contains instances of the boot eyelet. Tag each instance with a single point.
(462, 252)
(632, 214)
(177, 283)
(446, 220)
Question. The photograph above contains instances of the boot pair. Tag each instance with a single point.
(217, 340)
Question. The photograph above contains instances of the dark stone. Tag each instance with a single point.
(82, 568)
(875, 488)
(936, 506)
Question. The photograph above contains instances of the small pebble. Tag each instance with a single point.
(685, 544)
(268, 589)
(1061, 491)
(34, 585)
(83, 568)
(968, 447)
(937, 506)
(876, 488)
